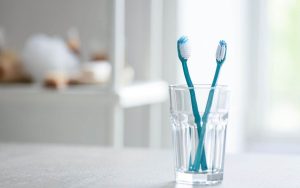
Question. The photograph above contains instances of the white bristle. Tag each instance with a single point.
(185, 50)
(220, 54)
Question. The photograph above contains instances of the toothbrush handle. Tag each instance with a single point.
(200, 148)
(195, 112)
(192, 93)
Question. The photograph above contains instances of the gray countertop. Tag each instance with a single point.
(24, 165)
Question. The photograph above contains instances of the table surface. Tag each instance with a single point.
(33, 166)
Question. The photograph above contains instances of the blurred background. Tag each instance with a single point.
(96, 72)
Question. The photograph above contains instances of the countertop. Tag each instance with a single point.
(33, 165)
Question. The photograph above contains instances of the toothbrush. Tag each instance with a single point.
(220, 59)
(184, 53)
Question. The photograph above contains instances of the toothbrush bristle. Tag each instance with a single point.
(221, 51)
(184, 47)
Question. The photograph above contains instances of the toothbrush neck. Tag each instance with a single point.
(186, 73)
(214, 83)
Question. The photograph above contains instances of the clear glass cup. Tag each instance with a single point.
(199, 145)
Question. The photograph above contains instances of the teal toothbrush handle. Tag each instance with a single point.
(200, 147)
(192, 92)
(195, 112)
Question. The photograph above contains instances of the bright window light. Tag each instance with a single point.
(284, 56)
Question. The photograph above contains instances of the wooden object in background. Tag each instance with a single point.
(11, 69)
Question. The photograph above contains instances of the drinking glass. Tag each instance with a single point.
(187, 134)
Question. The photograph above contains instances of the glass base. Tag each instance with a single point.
(199, 178)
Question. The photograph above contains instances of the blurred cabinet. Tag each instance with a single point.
(157, 91)
(92, 114)
(81, 115)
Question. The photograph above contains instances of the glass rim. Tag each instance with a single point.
(198, 86)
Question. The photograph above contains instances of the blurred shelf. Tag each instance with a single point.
(38, 89)
(136, 94)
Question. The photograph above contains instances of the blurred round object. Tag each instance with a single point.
(43, 54)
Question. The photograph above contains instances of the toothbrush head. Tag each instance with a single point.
(221, 52)
(183, 48)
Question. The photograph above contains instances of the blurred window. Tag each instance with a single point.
(284, 57)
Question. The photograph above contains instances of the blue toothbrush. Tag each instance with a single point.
(220, 59)
(184, 53)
